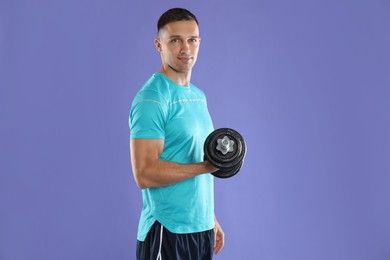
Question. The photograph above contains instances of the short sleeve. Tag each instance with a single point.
(148, 116)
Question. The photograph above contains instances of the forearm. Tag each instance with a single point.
(162, 173)
(149, 171)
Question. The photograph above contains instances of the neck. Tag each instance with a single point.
(180, 78)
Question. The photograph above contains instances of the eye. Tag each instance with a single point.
(193, 40)
(175, 40)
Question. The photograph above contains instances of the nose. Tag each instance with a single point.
(185, 48)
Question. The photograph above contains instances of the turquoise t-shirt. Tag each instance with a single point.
(178, 114)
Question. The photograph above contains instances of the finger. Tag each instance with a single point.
(219, 244)
(218, 247)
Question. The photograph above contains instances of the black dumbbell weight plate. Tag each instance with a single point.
(221, 157)
(228, 172)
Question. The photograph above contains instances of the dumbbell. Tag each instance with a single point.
(225, 149)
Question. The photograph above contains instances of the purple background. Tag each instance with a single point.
(307, 83)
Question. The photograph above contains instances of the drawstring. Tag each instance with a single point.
(159, 257)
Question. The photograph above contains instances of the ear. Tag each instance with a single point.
(157, 43)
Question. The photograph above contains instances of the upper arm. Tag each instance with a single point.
(144, 152)
(147, 124)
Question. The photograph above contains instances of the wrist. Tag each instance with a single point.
(209, 167)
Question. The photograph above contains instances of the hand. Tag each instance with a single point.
(219, 237)
(210, 167)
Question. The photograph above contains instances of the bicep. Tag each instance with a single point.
(144, 152)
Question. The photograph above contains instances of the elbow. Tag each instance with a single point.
(140, 180)
(141, 184)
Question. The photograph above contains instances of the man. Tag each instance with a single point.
(169, 123)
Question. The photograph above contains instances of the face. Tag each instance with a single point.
(178, 42)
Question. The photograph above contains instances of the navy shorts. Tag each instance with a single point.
(161, 244)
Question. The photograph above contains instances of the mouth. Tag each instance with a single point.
(185, 59)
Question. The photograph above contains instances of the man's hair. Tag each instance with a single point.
(174, 15)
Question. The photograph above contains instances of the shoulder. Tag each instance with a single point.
(156, 83)
(155, 88)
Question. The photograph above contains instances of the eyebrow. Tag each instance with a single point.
(179, 36)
